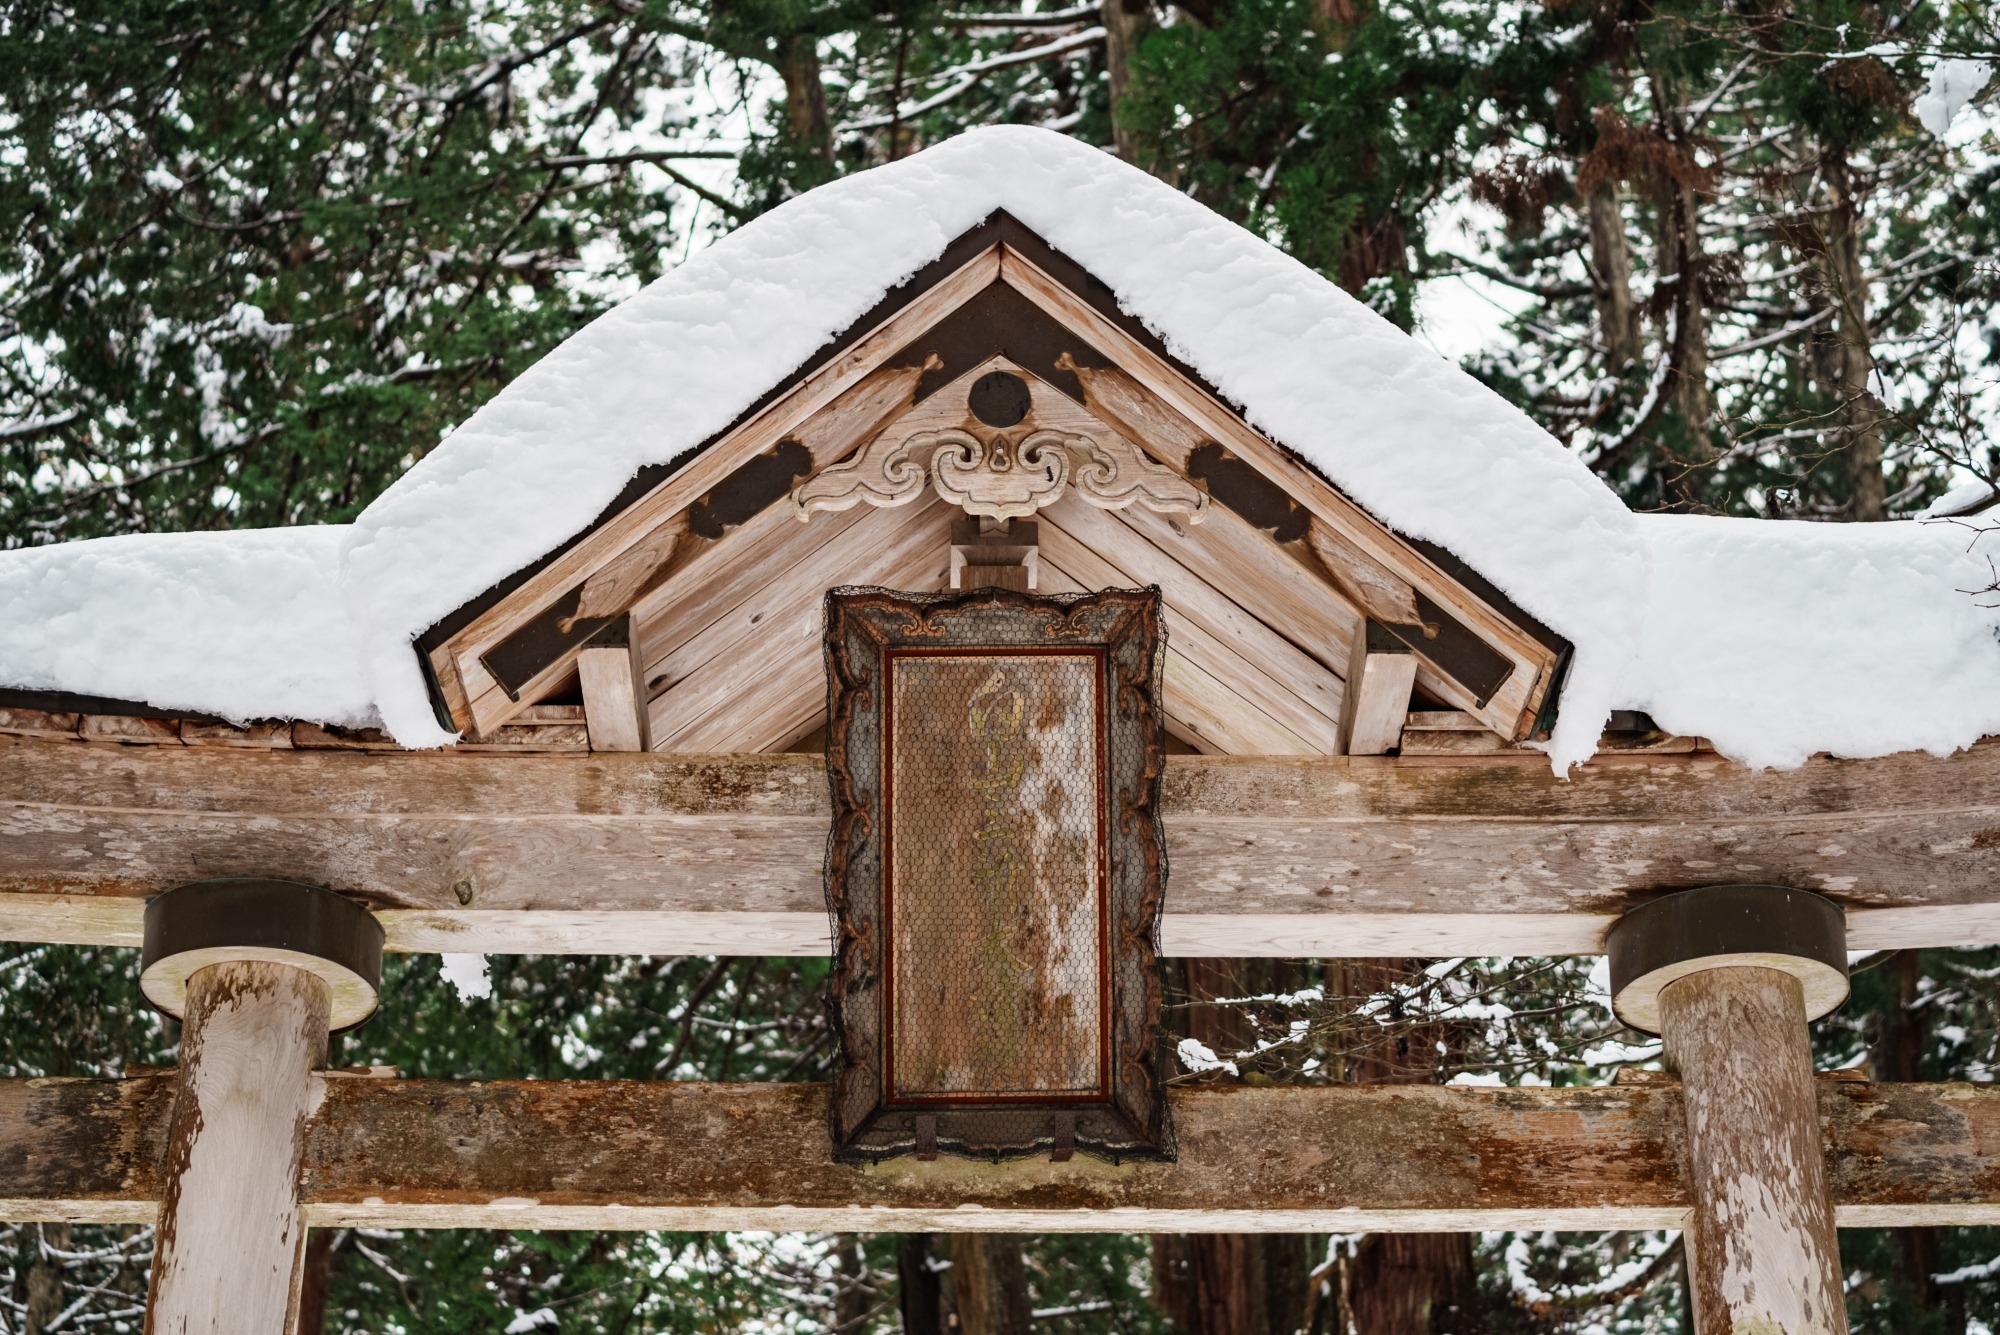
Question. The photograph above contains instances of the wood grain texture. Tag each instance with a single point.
(1289, 848)
(614, 708)
(616, 1155)
(1292, 685)
(1380, 676)
(858, 394)
(756, 667)
(231, 1234)
(1763, 1257)
(1150, 388)
(1216, 700)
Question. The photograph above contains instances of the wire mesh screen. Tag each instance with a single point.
(995, 872)
(995, 898)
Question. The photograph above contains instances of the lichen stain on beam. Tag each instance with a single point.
(572, 1154)
(84, 1150)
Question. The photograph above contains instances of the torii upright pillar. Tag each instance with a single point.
(1730, 976)
(260, 972)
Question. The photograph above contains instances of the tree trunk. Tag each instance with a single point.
(45, 1277)
(920, 1290)
(1611, 277)
(1847, 289)
(805, 95)
(1403, 1283)
(1896, 1057)
(850, 1301)
(315, 1276)
(1126, 23)
(1229, 1283)
(1681, 241)
(989, 1284)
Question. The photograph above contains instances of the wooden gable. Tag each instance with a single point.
(687, 619)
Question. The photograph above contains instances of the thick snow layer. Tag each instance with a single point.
(243, 624)
(1778, 640)
(1953, 83)
(1403, 431)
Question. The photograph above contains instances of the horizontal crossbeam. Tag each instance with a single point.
(628, 1155)
(1279, 856)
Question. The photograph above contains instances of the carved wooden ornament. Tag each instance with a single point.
(1112, 474)
(1001, 476)
(995, 873)
(998, 478)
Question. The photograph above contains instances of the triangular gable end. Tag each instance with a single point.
(695, 596)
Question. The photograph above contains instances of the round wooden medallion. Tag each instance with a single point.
(999, 399)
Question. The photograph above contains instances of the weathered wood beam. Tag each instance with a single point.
(1299, 856)
(617, 1155)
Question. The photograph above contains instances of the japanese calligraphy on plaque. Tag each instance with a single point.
(995, 873)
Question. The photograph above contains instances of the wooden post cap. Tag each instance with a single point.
(250, 918)
(1717, 926)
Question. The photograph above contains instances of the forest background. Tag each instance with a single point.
(1740, 255)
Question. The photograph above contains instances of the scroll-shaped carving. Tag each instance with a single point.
(1111, 474)
(1003, 478)
(887, 472)
(998, 479)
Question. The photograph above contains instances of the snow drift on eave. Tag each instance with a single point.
(242, 625)
(1405, 433)
(1777, 641)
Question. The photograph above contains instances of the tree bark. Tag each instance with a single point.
(1611, 276)
(806, 115)
(1126, 23)
(1765, 1257)
(315, 1277)
(1896, 1059)
(920, 1291)
(45, 1277)
(1229, 1283)
(1681, 239)
(989, 1284)
(1847, 288)
(850, 1301)
(1403, 1283)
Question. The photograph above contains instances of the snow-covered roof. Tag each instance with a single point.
(243, 625)
(1775, 640)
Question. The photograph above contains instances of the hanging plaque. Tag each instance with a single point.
(995, 873)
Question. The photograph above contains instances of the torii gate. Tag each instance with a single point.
(632, 664)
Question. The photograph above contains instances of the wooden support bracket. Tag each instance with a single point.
(1380, 675)
(988, 553)
(614, 702)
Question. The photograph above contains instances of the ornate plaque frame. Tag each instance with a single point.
(995, 873)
